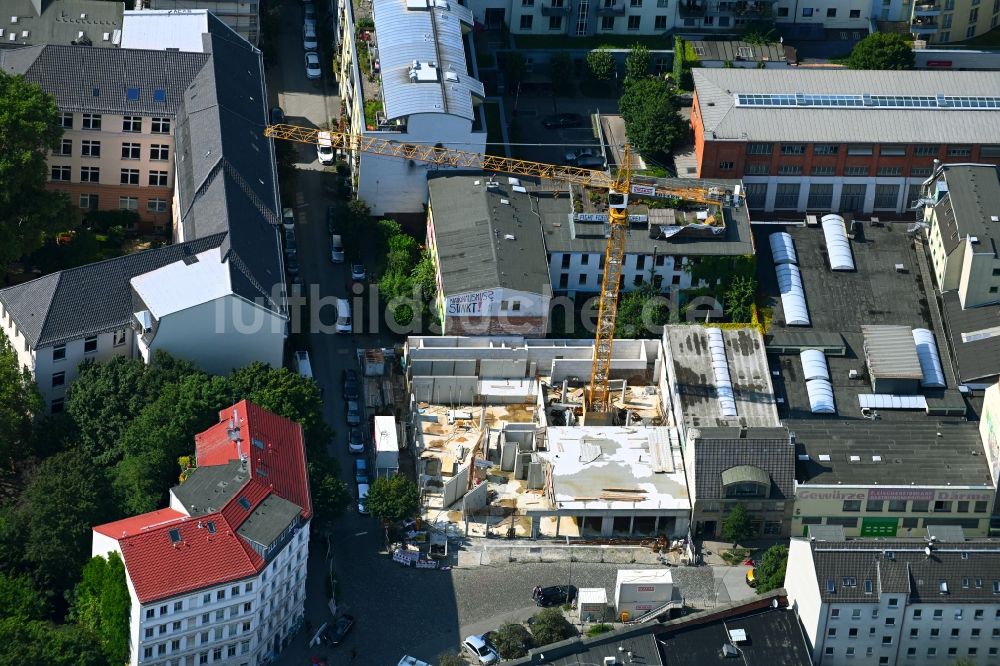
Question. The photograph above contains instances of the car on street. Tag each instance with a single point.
(309, 11)
(480, 650)
(355, 442)
(335, 634)
(358, 272)
(353, 413)
(324, 148)
(312, 66)
(302, 364)
(331, 220)
(337, 255)
(361, 470)
(363, 499)
(352, 385)
(556, 595)
(290, 245)
(277, 115)
(563, 121)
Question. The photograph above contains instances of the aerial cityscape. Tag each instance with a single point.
(475, 332)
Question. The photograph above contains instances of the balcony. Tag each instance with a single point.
(555, 8)
(759, 9)
(926, 9)
(611, 8)
(924, 25)
(692, 8)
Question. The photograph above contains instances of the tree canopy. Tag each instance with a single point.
(601, 64)
(393, 498)
(512, 641)
(641, 312)
(736, 526)
(29, 129)
(551, 626)
(20, 404)
(650, 111)
(101, 605)
(770, 573)
(636, 64)
(882, 50)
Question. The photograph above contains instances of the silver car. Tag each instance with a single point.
(312, 66)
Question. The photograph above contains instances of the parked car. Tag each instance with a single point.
(557, 595)
(290, 245)
(361, 470)
(335, 634)
(312, 64)
(355, 442)
(481, 652)
(363, 499)
(337, 249)
(324, 148)
(288, 218)
(277, 115)
(331, 220)
(292, 266)
(578, 153)
(563, 120)
(302, 364)
(353, 413)
(309, 10)
(591, 162)
(358, 272)
(352, 385)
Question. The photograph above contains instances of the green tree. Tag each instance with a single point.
(641, 312)
(20, 599)
(882, 50)
(650, 111)
(393, 498)
(512, 641)
(770, 574)
(758, 33)
(20, 404)
(101, 605)
(551, 626)
(452, 659)
(329, 492)
(424, 276)
(736, 526)
(636, 64)
(65, 497)
(601, 64)
(562, 74)
(29, 129)
(40, 642)
(740, 297)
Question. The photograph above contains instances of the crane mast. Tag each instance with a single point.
(619, 187)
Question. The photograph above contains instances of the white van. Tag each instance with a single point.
(336, 249)
(344, 322)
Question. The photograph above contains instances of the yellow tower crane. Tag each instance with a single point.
(619, 187)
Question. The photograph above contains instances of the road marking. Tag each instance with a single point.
(357, 534)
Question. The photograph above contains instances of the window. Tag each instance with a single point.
(56, 406)
(90, 148)
(156, 205)
(980, 506)
(892, 149)
(756, 195)
(158, 178)
(58, 379)
(221, 594)
(758, 149)
(889, 171)
(130, 177)
(663, 4)
(59, 352)
(790, 170)
(926, 150)
(118, 341)
(60, 173)
(850, 652)
(793, 149)
(859, 149)
(807, 11)
(919, 506)
(834, 613)
(973, 17)
(875, 505)
(959, 151)
(660, 23)
(942, 506)
(147, 652)
(822, 171)
(897, 506)
(886, 196)
(989, 151)
(889, 621)
(634, 22)
(92, 121)
(828, 651)
(131, 151)
(787, 196)
(161, 126)
(132, 124)
(90, 174)
(66, 147)
(855, 13)
(852, 505)
(635, 3)
(726, 166)
(938, 613)
(856, 171)
(66, 120)
(820, 196)
(852, 632)
(826, 149)
(128, 203)
(855, 613)
(917, 614)
(756, 169)
(607, 23)
(89, 347)
(526, 21)
(914, 633)
(920, 172)
(555, 23)
(527, 3)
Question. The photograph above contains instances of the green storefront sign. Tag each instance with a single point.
(879, 527)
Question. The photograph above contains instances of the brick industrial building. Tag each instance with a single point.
(840, 140)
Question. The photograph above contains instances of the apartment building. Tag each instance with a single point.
(407, 79)
(84, 22)
(243, 16)
(840, 140)
(580, 17)
(490, 266)
(217, 297)
(915, 601)
(944, 21)
(219, 576)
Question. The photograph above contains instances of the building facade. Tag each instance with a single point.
(912, 601)
(831, 140)
(944, 21)
(415, 89)
(219, 576)
(240, 15)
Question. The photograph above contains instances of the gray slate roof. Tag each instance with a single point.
(718, 450)
(901, 565)
(73, 73)
(88, 300)
(978, 359)
(269, 519)
(973, 197)
(208, 489)
(723, 120)
(471, 226)
(774, 638)
(61, 22)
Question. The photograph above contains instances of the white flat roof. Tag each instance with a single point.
(587, 462)
(165, 29)
(184, 284)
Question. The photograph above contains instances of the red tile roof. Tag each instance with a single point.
(135, 524)
(168, 554)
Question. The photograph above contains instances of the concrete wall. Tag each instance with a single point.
(804, 595)
(818, 12)
(989, 429)
(978, 278)
(444, 390)
(584, 270)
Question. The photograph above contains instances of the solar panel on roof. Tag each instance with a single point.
(939, 102)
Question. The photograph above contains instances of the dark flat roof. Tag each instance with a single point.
(774, 638)
(910, 450)
(269, 519)
(208, 489)
(980, 359)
